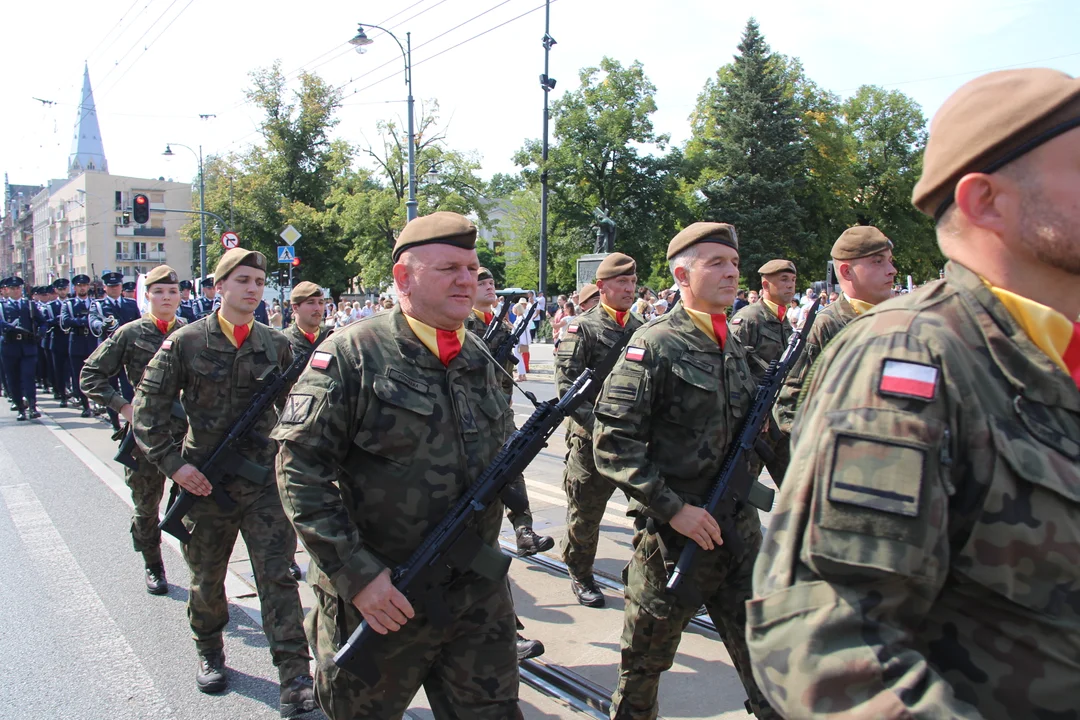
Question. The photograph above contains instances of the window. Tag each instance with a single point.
(140, 251)
(119, 200)
(156, 197)
(161, 248)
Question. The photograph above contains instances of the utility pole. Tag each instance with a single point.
(547, 83)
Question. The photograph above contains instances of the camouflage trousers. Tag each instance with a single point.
(522, 519)
(468, 669)
(780, 445)
(271, 544)
(587, 495)
(147, 485)
(654, 620)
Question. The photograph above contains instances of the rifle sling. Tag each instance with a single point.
(236, 464)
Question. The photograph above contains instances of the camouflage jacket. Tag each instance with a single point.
(215, 383)
(478, 327)
(667, 413)
(762, 334)
(378, 441)
(924, 556)
(299, 341)
(587, 342)
(829, 321)
(130, 349)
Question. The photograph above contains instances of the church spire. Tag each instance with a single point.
(87, 150)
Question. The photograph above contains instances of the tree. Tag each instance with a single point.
(750, 154)
(889, 132)
(600, 158)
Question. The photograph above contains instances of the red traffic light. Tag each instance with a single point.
(295, 262)
(141, 209)
(140, 199)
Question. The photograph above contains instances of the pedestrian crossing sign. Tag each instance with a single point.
(285, 254)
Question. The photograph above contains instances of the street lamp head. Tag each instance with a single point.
(361, 41)
(168, 151)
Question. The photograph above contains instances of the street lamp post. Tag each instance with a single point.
(202, 199)
(547, 83)
(361, 41)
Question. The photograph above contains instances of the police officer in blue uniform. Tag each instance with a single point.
(61, 363)
(84, 324)
(20, 322)
(5, 290)
(208, 301)
(42, 294)
(187, 305)
(129, 291)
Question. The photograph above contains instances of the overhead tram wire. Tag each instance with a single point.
(428, 42)
(443, 52)
(430, 57)
(106, 35)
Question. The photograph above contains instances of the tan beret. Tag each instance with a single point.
(303, 291)
(700, 232)
(484, 274)
(615, 265)
(776, 266)
(162, 274)
(235, 258)
(443, 228)
(587, 293)
(859, 242)
(988, 123)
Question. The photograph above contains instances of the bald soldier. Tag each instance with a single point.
(863, 263)
(588, 340)
(214, 366)
(764, 331)
(664, 420)
(130, 349)
(393, 419)
(922, 560)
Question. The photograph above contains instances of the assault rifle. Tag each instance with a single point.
(510, 342)
(734, 487)
(224, 457)
(508, 295)
(455, 544)
(124, 454)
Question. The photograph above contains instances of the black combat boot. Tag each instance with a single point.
(21, 409)
(211, 677)
(529, 543)
(586, 592)
(294, 570)
(528, 648)
(34, 413)
(86, 411)
(156, 583)
(297, 696)
(63, 402)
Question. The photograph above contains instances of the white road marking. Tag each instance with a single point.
(91, 629)
(557, 497)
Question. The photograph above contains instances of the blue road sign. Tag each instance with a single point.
(285, 253)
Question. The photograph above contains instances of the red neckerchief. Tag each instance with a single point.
(488, 317)
(310, 336)
(162, 326)
(241, 332)
(1071, 356)
(719, 326)
(620, 317)
(449, 345)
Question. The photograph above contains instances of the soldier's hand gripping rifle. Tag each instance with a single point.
(503, 351)
(125, 451)
(225, 457)
(455, 544)
(734, 488)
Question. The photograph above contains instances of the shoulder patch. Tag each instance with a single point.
(907, 379)
(166, 345)
(737, 321)
(321, 360)
(297, 409)
(571, 328)
(637, 354)
(877, 474)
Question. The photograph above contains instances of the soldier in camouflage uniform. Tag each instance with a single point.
(214, 365)
(862, 260)
(308, 309)
(924, 556)
(483, 314)
(762, 329)
(130, 349)
(587, 342)
(392, 420)
(664, 419)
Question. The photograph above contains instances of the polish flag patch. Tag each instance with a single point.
(166, 345)
(571, 328)
(321, 360)
(908, 379)
(635, 353)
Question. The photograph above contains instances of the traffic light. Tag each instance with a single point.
(141, 209)
(295, 262)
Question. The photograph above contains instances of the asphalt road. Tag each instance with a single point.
(80, 637)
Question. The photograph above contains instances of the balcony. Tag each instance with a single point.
(152, 256)
(125, 230)
(149, 232)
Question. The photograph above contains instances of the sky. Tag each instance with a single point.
(157, 65)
